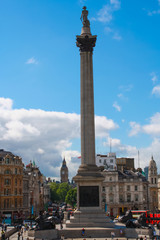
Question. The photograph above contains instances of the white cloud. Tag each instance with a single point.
(44, 136)
(154, 77)
(159, 2)
(32, 60)
(6, 103)
(105, 14)
(135, 128)
(103, 126)
(126, 88)
(156, 91)
(153, 128)
(116, 106)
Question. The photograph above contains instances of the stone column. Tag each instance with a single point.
(86, 42)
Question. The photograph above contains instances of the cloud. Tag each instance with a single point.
(5, 103)
(153, 128)
(156, 91)
(123, 150)
(154, 77)
(126, 88)
(32, 61)
(135, 128)
(105, 14)
(44, 136)
(116, 106)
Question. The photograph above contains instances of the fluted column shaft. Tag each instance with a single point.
(87, 110)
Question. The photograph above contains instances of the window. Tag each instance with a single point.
(104, 161)
(6, 191)
(103, 189)
(111, 160)
(128, 198)
(120, 198)
(144, 187)
(111, 198)
(155, 180)
(136, 188)
(16, 181)
(152, 180)
(15, 202)
(7, 181)
(15, 170)
(7, 171)
(136, 197)
(7, 160)
(99, 160)
(15, 191)
(110, 179)
(128, 187)
(111, 188)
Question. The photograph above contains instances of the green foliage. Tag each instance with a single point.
(59, 191)
(71, 197)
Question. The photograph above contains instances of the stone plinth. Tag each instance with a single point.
(44, 234)
(89, 218)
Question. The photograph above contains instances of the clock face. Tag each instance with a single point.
(62, 172)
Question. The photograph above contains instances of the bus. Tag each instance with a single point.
(152, 218)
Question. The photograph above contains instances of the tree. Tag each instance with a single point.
(54, 195)
(59, 191)
(71, 197)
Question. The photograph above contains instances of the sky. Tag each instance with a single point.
(40, 80)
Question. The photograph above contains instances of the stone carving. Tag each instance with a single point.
(44, 221)
(86, 44)
(132, 223)
(84, 17)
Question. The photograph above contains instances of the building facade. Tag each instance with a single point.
(108, 161)
(124, 190)
(153, 185)
(11, 186)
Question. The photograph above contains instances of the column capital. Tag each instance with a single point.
(86, 43)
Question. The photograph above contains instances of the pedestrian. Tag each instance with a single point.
(141, 238)
(83, 231)
(2, 235)
(145, 238)
(19, 234)
(112, 235)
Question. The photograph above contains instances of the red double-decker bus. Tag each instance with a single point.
(152, 218)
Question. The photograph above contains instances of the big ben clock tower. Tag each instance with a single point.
(64, 172)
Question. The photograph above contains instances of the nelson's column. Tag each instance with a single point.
(88, 179)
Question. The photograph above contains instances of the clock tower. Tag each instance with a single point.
(64, 172)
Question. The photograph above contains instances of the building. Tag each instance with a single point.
(11, 187)
(35, 192)
(125, 163)
(153, 185)
(124, 190)
(108, 161)
(146, 172)
(64, 172)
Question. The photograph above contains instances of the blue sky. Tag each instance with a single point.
(40, 79)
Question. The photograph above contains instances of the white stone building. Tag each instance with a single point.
(124, 190)
(108, 161)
